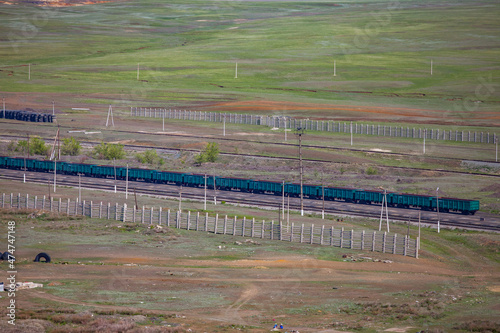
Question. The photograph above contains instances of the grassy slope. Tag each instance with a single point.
(188, 49)
(95, 252)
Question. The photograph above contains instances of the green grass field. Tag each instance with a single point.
(187, 51)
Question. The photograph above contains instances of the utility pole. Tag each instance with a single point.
(180, 199)
(282, 216)
(135, 196)
(79, 187)
(114, 167)
(28, 149)
(215, 193)
(58, 143)
(205, 201)
(300, 131)
(110, 113)
(437, 206)
(418, 245)
(323, 197)
(384, 204)
(55, 168)
(288, 212)
(126, 184)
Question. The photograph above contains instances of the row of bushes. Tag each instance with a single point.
(103, 151)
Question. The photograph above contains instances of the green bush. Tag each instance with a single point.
(371, 171)
(209, 154)
(36, 146)
(150, 157)
(109, 151)
(71, 147)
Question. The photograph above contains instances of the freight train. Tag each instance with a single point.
(400, 200)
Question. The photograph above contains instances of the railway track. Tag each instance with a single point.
(262, 201)
(171, 150)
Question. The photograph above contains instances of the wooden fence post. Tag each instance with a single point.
(302, 233)
(383, 241)
(27, 201)
(225, 224)
(322, 234)
(34, 204)
(291, 233)
(3, 200)
(124, 217)
(58, 208)
(263, 229)
(373, 241)
(362, 240)
(394, 244)
(197, 221)
(159, 216)
(168, 217)
(116, 211)
(100, 210)
(243, 226)
(235, 221)
(281, 230)
(272, 230)
(11, 198)
(142, 215)
(83, 207)
(188, 220)
(405, 245)
(352, 239)
(417, 247)
(19, 202)
(177, 218)
(151, 216)
(253, 227)
(90, 208)
(312, 233)
(342, 237)
(331, 236)
(216, 220)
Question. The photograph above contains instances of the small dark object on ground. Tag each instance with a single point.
(42, 255)
(8, 256)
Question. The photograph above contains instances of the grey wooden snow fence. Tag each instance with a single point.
(317, 125)
(311, 234)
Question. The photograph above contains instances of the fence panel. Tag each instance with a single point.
(319, 235)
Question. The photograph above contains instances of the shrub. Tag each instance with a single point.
(71, 147)
(150, 157)
(109, 151)
(371, 171)
(36, 146)
(209, 154)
